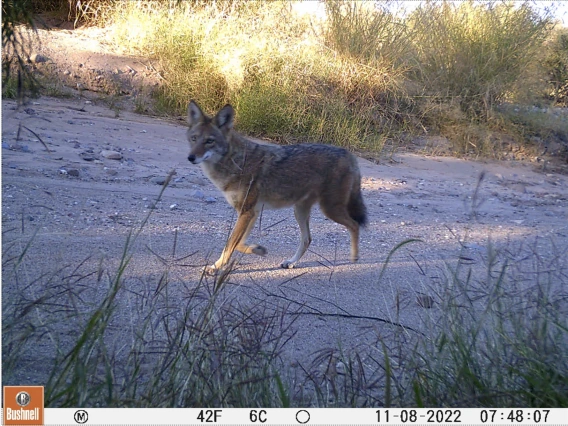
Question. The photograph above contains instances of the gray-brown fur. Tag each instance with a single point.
(253, 176)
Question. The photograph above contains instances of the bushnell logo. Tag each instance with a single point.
(23, 405)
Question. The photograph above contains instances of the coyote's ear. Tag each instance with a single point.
(194, 114)
(224, 118)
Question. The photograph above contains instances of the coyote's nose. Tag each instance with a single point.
(191, 158)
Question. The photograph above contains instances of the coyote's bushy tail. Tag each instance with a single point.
(356, 207)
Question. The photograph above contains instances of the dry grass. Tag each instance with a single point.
(362, 78)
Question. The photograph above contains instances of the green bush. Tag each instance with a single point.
(475, 53)
(17, 79)
(263, 59)
(359, 78)
(367, 31)
(556, 65)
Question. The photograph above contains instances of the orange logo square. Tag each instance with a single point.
(23, 405)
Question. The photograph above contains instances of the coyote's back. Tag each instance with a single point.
(253, 176)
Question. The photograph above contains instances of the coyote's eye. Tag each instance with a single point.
(209, 142)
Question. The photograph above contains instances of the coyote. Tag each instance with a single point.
(253, 176)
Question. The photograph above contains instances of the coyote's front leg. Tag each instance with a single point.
(243, 227)
(250, 248)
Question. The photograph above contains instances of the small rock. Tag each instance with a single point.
(111, 155)
(87, 156)
(173, 206)
(37, 58)
(21, 148)
(73, 172)
(158, 180)
(198, 194)
(195, 180)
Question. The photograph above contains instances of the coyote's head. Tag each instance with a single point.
(208, 136)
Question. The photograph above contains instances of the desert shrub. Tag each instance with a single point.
(362, 77)
(17, 78)
(367, 31)
(556, 66)
(89, 11)
(473, 52)
(263, 59)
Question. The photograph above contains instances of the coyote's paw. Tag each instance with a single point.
(259, 250)
(210, 270)
(287, 264)
(252, 249)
